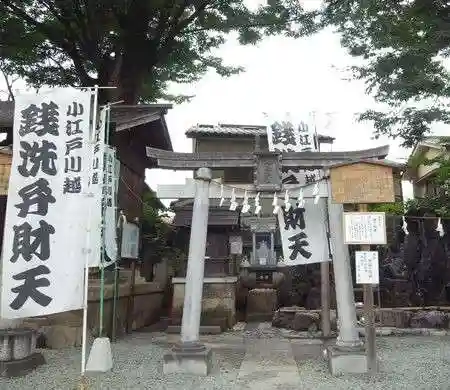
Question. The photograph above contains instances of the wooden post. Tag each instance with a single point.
(117, 280)
(130, 305)
(369, 314)
(325, 298)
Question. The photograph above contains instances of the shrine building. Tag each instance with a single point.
(244, 252)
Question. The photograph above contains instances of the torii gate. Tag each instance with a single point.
(190, 355)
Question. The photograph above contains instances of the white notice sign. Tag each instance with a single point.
(365, 228)
(366, 264)
(130, 241)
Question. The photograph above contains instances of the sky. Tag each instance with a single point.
(283, 76)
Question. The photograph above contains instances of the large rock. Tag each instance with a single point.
(429, 319)
(261, 304)
(62, 336)
(306, 321)
(284, 317)
(395, 318)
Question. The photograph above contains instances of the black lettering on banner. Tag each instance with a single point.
(28, 242)
(29, 288)
(74, 143)
(37, 194)
(298, 243)
(95, 178)
(72, 164)
(72, 185)
(304, 135)
(304, 140)
(283, 133)
(41, 121)
(294, 217)
(311, 178)
(73, 127)
(75, 109)
(37, 157)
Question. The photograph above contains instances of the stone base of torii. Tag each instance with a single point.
(190, 356)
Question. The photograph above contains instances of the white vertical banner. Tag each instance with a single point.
(303, 233)
(96, 188)
(45, 226)
(293, 136)
(111, 178)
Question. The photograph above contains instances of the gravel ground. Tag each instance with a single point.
(414, 362)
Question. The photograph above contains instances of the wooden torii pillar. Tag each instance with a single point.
(190, 355)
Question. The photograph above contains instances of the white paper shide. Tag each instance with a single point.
(303, 233)
(45, 226)
(367, 267)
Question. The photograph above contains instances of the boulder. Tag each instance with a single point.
(306, 321)
(261, 304)
(395, 318)
(62, 336)
(429, 319)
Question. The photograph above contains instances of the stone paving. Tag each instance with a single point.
(253, 356)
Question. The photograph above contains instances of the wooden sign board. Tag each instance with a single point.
(362, 182)
(365, 228)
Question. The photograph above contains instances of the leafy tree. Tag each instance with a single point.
(136, 45)
(401, 45)
(156, 231)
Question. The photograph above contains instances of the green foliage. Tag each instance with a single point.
(137, 46)
(156, 232)
(401, 45)
(396, 208)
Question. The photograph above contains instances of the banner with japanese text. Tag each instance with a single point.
(303, 233)
(111, 179)
(293, 136)
(97, 183)
(45, 231)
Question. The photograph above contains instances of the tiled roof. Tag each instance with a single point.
(6, 113)
(226, 129)
(234, 130)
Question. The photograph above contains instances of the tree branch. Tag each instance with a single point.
(167, 46)
(65, 44)
(8, 84)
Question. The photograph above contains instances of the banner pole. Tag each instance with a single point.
(102, 258)
(87, 253)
